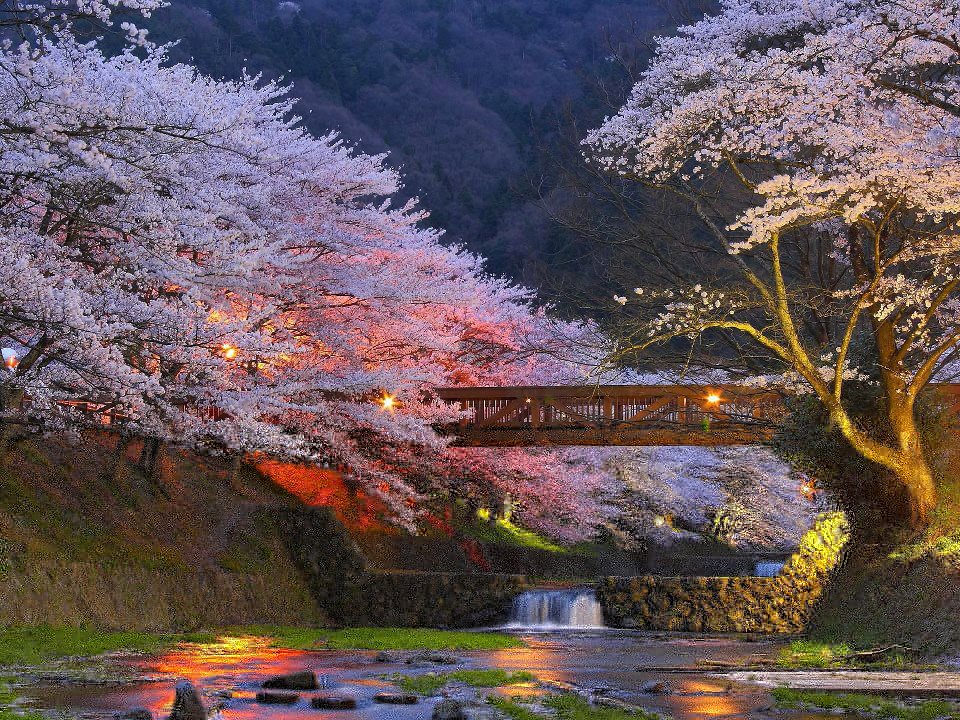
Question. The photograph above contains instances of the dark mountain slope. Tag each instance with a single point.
(464, 94)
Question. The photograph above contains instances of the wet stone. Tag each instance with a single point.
(305, 680)
(389, 698)
(333, 702)
(134, 714)
(655, 687)
(277, 698)
(480, 713)
(386, 657)
(187, 704)
(448, 710)
(435, 658)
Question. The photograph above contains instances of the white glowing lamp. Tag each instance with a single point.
(388, 401)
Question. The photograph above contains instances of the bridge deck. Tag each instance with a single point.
(621, 414)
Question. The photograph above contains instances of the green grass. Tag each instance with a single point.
(574, 707)
(514, 710)
(7, 699)
(504, 532)
(10, 714)
(872, 705)
(430, 683)
(492, 677)
(823, 655)
(568, 707)
(35, 645)
(364, 638)
(427, 685)
(808, 654)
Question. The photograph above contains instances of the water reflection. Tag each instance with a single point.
(616, 664)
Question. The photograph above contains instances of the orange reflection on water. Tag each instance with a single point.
(702, 697)
(198, 662)
(215, 665)
(538, 658)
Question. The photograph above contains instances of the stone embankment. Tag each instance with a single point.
(780, 604)
(353, 594)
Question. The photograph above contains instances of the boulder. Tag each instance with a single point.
(432, 657)
(390, 698)
(305, 680)
(187, 704)
(333, 702)
(277, 698)
(385, 657)
(449, 710)
(481, 712)
(134, 714)
(655, 687)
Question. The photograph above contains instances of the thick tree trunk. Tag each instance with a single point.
(920, 491)
(118, 462)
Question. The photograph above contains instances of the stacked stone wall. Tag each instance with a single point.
(781, 604)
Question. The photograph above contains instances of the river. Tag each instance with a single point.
(609, 662)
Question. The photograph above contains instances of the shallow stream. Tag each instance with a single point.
(608, 662)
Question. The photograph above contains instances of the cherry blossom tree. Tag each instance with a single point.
(180, 255)
(837, 121)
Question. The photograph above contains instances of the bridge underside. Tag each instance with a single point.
(613, 415)
(638, 436)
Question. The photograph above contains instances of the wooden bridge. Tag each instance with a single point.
(621, 414)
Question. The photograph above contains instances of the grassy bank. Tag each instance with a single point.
(37, 645)
(865, 705)
(565, 707)
(365, 638)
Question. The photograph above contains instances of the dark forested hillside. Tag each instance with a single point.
(470, 97)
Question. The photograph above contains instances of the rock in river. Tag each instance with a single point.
(187, 704)
(305, 680)
(432, 657)
(448, 710)
(134, 714)
(277, 698)
(390, 698)
(333, 702)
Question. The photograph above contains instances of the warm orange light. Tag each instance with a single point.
(229, 351)
(713, 399)
(388, 401)
(12, 362)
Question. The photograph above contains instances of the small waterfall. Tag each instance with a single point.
(577, 608)
(767, 569)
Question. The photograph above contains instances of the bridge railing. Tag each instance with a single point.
(623, 414)
(611, 413)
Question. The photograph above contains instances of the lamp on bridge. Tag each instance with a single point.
(713, 398)
(10, 359)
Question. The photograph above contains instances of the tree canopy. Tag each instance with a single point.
(836, 122)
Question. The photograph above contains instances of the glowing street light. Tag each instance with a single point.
(229, 351)
(387, 402)
(713, 399)
(10, 358)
